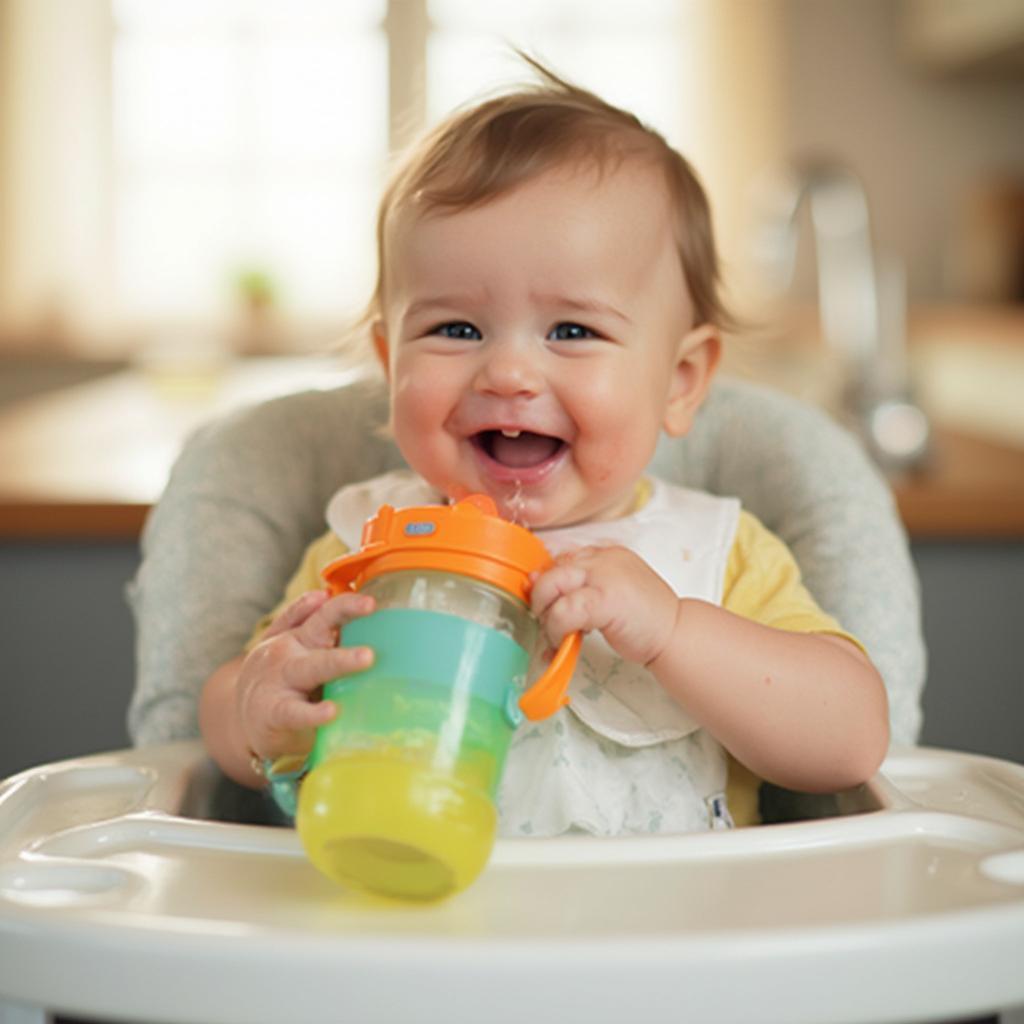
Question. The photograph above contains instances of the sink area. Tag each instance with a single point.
(861, 298)
(976, 387)
(965, 367)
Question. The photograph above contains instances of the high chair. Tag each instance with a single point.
(248, 493)
(121, 898)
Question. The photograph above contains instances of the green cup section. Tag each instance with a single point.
(442, 691)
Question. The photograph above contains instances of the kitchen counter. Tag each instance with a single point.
(966, 370)
(86, 462)
(970, 488)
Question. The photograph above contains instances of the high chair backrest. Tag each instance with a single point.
(248, 492)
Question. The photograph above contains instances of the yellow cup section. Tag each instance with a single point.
(386, 823)
(399, 799)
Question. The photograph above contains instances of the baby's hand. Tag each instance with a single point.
(275, 696)
(610, 589)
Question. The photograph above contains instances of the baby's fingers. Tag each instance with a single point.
(297, 612)
(317, 667)
(563, 578)
(296, 715)
(576, 611)
(321, 628)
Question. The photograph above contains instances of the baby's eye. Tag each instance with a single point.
(570, 332)
(458, 329)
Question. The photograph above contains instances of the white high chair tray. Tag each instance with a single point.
(114, 904)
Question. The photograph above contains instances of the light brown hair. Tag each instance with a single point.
(486, 150)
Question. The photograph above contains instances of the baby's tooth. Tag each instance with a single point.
(511, 433)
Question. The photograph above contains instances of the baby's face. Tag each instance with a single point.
(532, 343)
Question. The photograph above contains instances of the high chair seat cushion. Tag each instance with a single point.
(248, 493)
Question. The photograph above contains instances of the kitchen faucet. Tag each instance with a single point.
(863, 314)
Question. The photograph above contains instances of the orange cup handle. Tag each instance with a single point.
(340, 574)
(548, 693)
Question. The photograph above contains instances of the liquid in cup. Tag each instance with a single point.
(401, 796)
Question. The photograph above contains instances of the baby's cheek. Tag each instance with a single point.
(617, 457)
(411, 404)
(418, 420)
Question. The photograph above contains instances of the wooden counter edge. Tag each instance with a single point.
(71, 521)
(975, 520)
(927, 517)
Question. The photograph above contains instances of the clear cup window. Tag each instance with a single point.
(455, 594)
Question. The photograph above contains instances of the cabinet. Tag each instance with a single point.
(67, 639)
(965, 35)
(972, 597)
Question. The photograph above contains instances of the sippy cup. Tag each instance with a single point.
(400, 796)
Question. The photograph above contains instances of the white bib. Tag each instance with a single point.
(624, 757)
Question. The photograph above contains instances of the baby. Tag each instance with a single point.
(547, 304)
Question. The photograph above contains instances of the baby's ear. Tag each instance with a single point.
(697, 356)
(381, 347)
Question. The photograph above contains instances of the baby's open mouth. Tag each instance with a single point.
(518, 449)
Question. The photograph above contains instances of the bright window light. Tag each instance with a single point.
(249, 135)
(632, 55)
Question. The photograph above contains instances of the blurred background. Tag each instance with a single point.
(187, 197)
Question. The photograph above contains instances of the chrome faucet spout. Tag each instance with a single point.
(857, 322)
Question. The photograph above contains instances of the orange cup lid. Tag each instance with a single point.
(469, 537)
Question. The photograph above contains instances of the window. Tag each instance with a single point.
(230, 153)
(633, 55)
(249, 137)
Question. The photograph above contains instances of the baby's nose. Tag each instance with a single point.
(510, 367)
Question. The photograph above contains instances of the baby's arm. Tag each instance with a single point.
(263, 703)
(805, 711)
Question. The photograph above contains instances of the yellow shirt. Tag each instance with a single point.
(762, 583)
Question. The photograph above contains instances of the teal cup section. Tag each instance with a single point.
(443, 691)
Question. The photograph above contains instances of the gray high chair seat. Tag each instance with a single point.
(248, 493)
